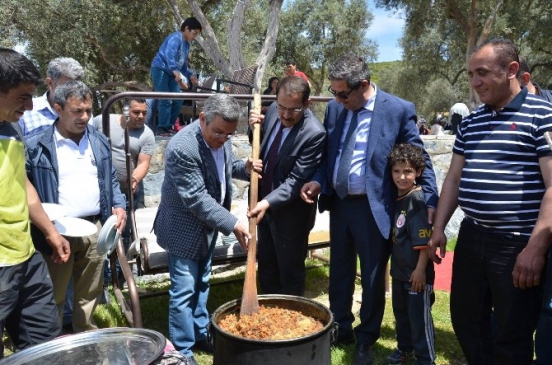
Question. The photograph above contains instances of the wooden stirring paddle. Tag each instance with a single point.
(250, 301)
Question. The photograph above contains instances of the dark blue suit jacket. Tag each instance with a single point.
(393, 122)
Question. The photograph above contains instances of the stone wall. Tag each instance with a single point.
(439, 148)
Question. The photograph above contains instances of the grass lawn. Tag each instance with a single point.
(155, 313)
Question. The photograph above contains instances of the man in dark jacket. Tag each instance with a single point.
(70, 164)
(292, 144)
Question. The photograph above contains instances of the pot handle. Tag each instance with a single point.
(334, 332)
(210, 331)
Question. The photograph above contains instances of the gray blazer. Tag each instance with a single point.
(190, 215)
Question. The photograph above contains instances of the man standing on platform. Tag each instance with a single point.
(291, 70)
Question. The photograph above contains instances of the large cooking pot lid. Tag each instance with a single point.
(109, 346)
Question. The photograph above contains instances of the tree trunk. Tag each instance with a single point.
(269, 45)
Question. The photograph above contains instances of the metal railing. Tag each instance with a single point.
(133, 313)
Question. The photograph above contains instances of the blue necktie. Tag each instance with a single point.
(270, 163)
(344, 169)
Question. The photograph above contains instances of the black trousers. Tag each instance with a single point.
(281, 256)
(482, 287)
(413, 321)
(354, 232)
(543, 336)
(27, 307)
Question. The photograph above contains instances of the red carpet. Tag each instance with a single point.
(443, 273)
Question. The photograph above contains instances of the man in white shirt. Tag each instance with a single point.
(43, 114)
(69, 163)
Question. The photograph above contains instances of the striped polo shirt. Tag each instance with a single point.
(501, 187)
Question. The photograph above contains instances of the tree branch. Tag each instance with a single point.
(489, 23)
(113, 65)
(269, 48)
(133, 85)
(234, 27)
(458, 74)
(208, 41)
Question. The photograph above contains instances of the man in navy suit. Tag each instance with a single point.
(297, 140)
(356, 187)
(195, 202)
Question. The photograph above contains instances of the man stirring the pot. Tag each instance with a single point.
(195, 202)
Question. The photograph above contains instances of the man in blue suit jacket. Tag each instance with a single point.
(195, 202)
(361, 213)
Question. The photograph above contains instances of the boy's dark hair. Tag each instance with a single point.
(16, 69)
(407, 153)
(192, 24)
(290, 61)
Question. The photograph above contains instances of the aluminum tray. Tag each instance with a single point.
(109, 346)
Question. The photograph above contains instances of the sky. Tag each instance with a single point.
(386, 29)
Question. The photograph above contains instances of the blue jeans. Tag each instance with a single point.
(482, 285)
(167, 110)
(152, 106)
(188, 315)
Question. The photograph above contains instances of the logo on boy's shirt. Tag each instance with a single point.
(401, 220)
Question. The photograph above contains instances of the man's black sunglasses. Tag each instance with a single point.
(343, 95)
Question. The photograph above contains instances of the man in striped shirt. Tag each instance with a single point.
(501, 177)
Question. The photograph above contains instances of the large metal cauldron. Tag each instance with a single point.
(113, 346)
(313, 349)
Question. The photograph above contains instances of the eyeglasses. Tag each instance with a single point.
(223, 135)
(283, 109)
(343, 95)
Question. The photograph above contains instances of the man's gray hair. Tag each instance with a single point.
(223, 105)
(69, 89)
(350, 67)
(64, 67)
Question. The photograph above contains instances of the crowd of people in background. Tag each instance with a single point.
(365, 164)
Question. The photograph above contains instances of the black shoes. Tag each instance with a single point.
(204, 346)
(363, 355)
(399, 357)
(345, 338)
(165, 132)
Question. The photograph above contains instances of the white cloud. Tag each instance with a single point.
(386, 29)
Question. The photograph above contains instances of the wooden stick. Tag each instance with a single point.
(250, 301)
